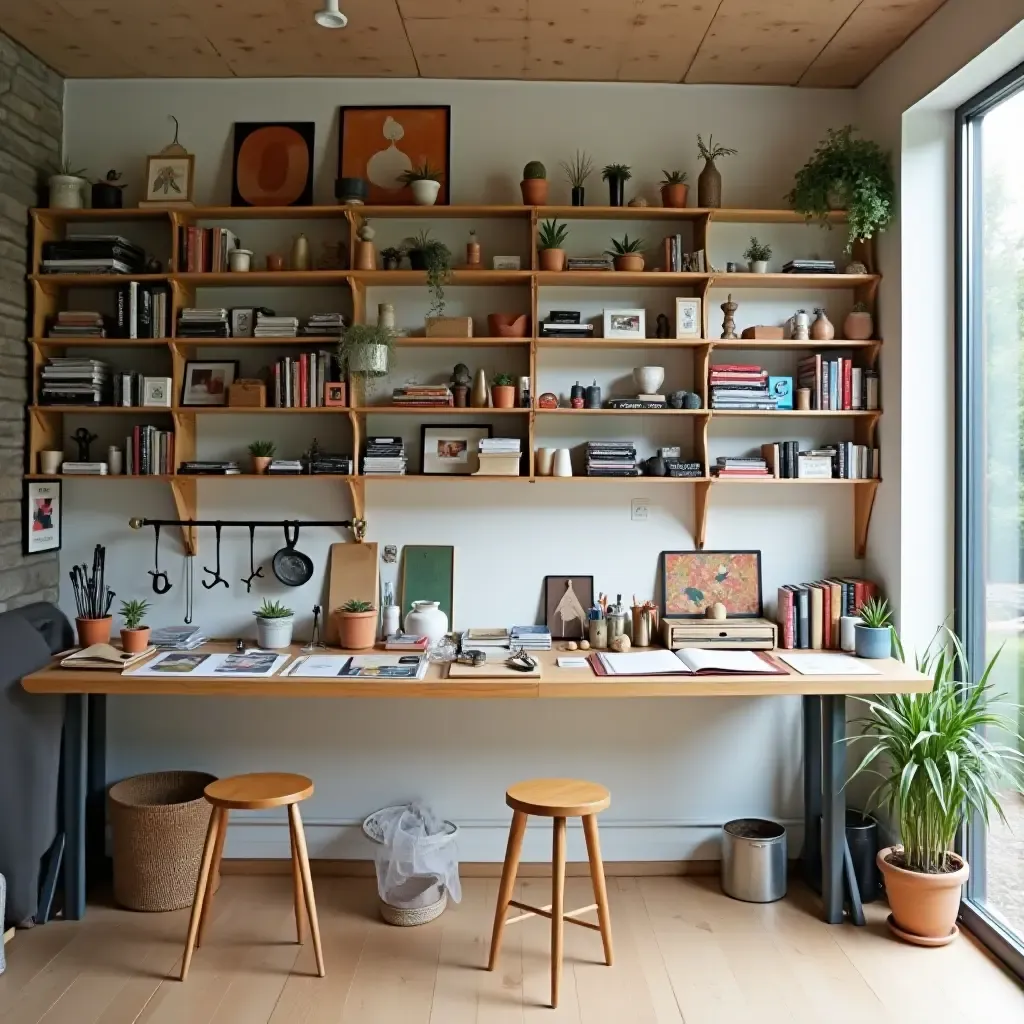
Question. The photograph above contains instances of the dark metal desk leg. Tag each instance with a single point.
(833, 823)
(852, 887)
(75, 721)
(96, 789)
(812, 791)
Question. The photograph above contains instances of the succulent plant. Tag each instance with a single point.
(357, 607)
(673, 178)
(627, 247)
(552, 234)
(273, 610)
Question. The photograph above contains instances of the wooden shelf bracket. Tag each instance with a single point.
(863, 504)
(701, 499)
(186, 503)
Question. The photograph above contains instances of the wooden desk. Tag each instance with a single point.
(824, 719)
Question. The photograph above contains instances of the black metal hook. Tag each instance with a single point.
(217, 578)
(254, 571)
(161, 582)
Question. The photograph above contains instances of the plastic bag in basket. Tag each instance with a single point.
(417, 856)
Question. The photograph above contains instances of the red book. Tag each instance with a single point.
(784, 618)
(847, 383)
(304, 380)
(190, 250)
(737, 367)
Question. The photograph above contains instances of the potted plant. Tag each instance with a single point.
(757, 256)
(107, 194)
(391, 257)
(534, 185)
(859, 324)
(674, 189)
(709, 182)
(503, 391)
(425, 183)
(426, 253)
(274, 624)
(357, 625)
(134, 635)
(616, 175)
(351, 191)
(262, 453)
(937, 761)
(577, 170)
(365, 350)
(872, 636)
(628, 254)
(67, 188)
(550, 239)
(850, 174)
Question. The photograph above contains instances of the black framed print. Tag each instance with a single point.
(451, 449)
(207, 381)
(42, 516)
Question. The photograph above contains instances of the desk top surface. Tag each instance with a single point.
(554, 682)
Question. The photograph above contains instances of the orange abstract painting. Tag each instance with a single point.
(692, 581)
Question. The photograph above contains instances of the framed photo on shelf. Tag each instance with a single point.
(43, 514)
(625, 323)
(156, 392)
(207, 381)
(169, 178)
(451, 449)
(243, 321)
(567, 603)
(692, 581)
(334, 393)
(688, 318)
(272, 163)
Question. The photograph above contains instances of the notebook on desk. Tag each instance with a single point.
(689, 661)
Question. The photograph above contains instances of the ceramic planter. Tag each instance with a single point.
(350, 190)
(924, 907)
(674, 196)
(424, 193)
(67, 192)
(371, 360)
(135, 641)
(94, 631)
(273, 634)
(709, 186)
(649, 378)
(503, 396)
(417, 261)
(508, 325)
(872, 643)
(758, 266)
(357, 631)
(427, 619)
(616, 191)
(106, 196)
(390, 263)
(535, 191)
(240, 260)
(552, 259)
(821, 327)
(261, 463)
(858, 326)
(630, 262)
(578, 195)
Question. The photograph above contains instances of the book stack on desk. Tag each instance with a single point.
(408, 643)
(611, 458)
(485, 638)
(530, 638)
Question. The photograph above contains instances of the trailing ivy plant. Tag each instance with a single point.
(850, 174)
(437, 259)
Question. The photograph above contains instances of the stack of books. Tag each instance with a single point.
(640, 402)
(683, 468)
(530, 638)
(149, 452)
(835, 383)
(611, 458)
(589, 263)
(565, 323)
(808, 614)
(385, 455)
(203, 323)
(810, 267)
(70, 380)
(729, 467)
(128, 388)
(198, 468)
(325, 325)
(677, 260)
(330, 465)
(142, 311)
(299, 380)
(270, 326)
(425, 395)
(205, 250)
(285, 467)
(484, 639)
(78, 323)
(406, 643)
(177, 638)
(84, 468)
(740, 386)
(499, 456)
(92, 254)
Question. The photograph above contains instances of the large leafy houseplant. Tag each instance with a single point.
(851, 174)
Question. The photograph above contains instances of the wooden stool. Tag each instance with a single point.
(254, 793)
(558, 799)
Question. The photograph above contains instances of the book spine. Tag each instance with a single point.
(784, 617)
(121, 311)
(826, 616)
(871, 391)
(856, 388)
(277, 384)
(803, 625)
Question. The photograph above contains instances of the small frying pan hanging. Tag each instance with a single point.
(292, 567)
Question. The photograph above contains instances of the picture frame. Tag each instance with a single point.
(689, 312)
(451, 449)
(378, 143)
(630, 324)
(169, 178)
(156, 392)
(564, 597)
(692, 581)
(272, 163)
(335, 393)
(42, 516)
(243, 321)
(206, 381)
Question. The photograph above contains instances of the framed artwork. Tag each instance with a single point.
(688, 318)
(207, 381)
(272, 163)
(451, 449)
(43, 514)
(169, 178)
(625, 323)
(156, 392)
(243, 322)
(691, 581)
(334, 393)
(567, 602)
(381, 143)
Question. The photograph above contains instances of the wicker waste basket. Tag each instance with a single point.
(159, 824)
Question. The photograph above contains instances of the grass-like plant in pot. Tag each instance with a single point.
(274, 624)
(757, 255)
(709, 181)
(846, 173)
(262, 453)
(503, 391)
(424, 182)
(356, 625)
(550, 238)
(616, 175)
(534, 185)
(937, 763)
(627, 254)
(67, 187)
(674, 189)
(577, 170)
(134, 634)
(433, 256)
(873, 635)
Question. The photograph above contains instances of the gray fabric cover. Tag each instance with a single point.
(30, 732)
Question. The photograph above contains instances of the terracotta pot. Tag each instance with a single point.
(135, 641)
(94, 631)
(503, 396)
(632, 261)
(858, 326)
(552, 259)
(674, 196)
(535, 191)
(508, 325)
(260, 463)
(923, 906)
(709, 186)
(357, 631)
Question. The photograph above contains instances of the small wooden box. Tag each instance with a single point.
(763, 333)
(247, 394)
(719, 634)
(449, 327)
(498, 464)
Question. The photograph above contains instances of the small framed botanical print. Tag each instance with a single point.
(625, 323)
(688, 318)
(243, 322)
(156, 392)
(207, 381)
(169, 178)
(43, 512)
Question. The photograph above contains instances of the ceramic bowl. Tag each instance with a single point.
(649, 378)
(508, 325)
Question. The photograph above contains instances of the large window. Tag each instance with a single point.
(990, 464)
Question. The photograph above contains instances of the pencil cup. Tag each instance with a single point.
(561, 464)
(848, 632)
(115, 461)
(598, 634)
(803, 398)
(50, 461)
(94, 631)
(544, 461)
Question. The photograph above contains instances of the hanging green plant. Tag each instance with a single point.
(433, 256)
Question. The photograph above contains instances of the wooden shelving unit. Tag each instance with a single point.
(46, 423)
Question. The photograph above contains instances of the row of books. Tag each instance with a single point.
(92, 254)
(843, 461)
(808, 614)
(205, 250)
(149, 451)
(299, 380)
(676, 260)
(142, 311)
(203, 323)
(385, 455)
(71, 380)
(837, 384)
(611, 458)
(426, 395)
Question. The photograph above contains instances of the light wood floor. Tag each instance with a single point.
(683, 952)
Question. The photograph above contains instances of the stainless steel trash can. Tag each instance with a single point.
(754, 860)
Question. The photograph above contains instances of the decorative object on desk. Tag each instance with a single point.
(206, 382)
(628, 324)
(627, 255)
(597, 634)
(548, 400)
(424, 183)
(108, 194)
(691, 400)
(391, 619)
(43, 516)
(847, 632)
(675, 399)
(649, 378)
(620, 644)
(449, 327)
(357, 625)
(757, 255)
(50, 461)
(93, 599)
(803, 399)
(474, 260)
(156, 392)
(567, 600)
(821, 328)
(729, 322)
(709, 182)
(134, 635)
(451, 449)
(433, 256)
(292, 567)
(67, 188)
(851, 174)
(240, 261)
(716, 612)
(508, 325)
(315, 643)
(593, 400)
(534, 185)
(577, 170)
(262, 453)
(480, 395)
(674, 189)
(859, 324)
(561, 463)
(543, 461)
(427, 619)
(247, 394)
(391, 257)
(873, 635)
(503, 391)
(692, 581)
(550, 241)
(274, 624)
(688, 317)
(243, 318)
(366, 255)
(300, 257)
(800, 325)
(84, 438)
(386, 315)
(637, 202)
(365, 350)
(616, 175)
(781, 389)
(272, 163)
(351, 191)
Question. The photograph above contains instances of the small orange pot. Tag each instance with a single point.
(135, 641)
(94, 631)
(260, 463)
(357, 631)
(924, 907)
(503, 396)
(535, 191)
(674, 196)
(552, 259)
(631, 262)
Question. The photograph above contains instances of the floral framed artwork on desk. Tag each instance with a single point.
(692, 581)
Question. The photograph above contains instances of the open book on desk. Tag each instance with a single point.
(688, 661)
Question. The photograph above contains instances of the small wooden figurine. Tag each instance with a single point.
(729, 323)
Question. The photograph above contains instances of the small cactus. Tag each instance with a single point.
(534, 169)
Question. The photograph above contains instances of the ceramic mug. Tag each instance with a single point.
(275, 261)
(561, 464)
(50, 462)
(847, 632)
(803, 398)
(545, 457)
(115, 461)
(239, 260)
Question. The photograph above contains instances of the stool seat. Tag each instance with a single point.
(259, 790)
(557, 798)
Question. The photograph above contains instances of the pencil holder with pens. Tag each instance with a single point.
(598, 634)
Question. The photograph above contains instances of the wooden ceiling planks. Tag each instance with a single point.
(469, 47)
(664, 40)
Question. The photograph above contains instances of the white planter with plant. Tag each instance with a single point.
(134, 635)
(365, 353)
(757, 255)
(424, 182)
(873, 635)
(274, 623)
(67, 188)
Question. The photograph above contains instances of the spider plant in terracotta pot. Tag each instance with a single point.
(550, 240)
(674, 189)
(627, 254)
(134, 635)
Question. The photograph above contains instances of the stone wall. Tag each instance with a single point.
(31, 126)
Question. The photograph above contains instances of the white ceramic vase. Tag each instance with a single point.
(67, 192)
(562, 463)
(758, 266)
(649, 378)
(427, 619)
(240, 260)
(273, 634)
(50, 461)
(424, 193)
(391, 619)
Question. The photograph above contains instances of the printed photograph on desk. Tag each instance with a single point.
(176, 664)
(693, 581)
(247, 664)
(207, 383)
(452, 449)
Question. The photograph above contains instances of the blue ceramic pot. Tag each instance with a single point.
(872, 643)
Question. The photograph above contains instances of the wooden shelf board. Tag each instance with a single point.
(264, 476)
(95, 280)
(224, 410)
(622, 212)
(418, 342)
(125, 213)
(138, 410)
(619, 279)
(408, 278)
(459, 212)
(441, 410)
(756, 343)
(795, 412)
(622, 412)
(623, 343)
(633, 481)
(797, 480)
(264, 279)
(738, 216)
(258, 342)
(200, 213)
(793, 281)
(97, 476)
(439, 477)
(100, 342)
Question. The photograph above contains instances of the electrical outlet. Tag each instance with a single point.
(640, 510)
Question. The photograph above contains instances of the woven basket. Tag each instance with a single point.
(159, 824)
(410, 918)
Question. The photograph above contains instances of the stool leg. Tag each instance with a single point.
(201, 883)
(211, 885)
(296, 884)
(597, 877)
(557, 907)
(307, 885)
(508, 881)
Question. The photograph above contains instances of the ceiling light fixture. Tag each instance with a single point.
(330, 16)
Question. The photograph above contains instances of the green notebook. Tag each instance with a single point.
(428, 574)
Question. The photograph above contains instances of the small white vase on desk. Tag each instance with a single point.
(427, 619)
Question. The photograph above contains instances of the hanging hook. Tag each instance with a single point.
(161, 581)
(217, 578)
(254, 572)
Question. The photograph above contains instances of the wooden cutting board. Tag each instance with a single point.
(353, 574)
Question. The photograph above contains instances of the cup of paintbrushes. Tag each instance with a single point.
(94, 631)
